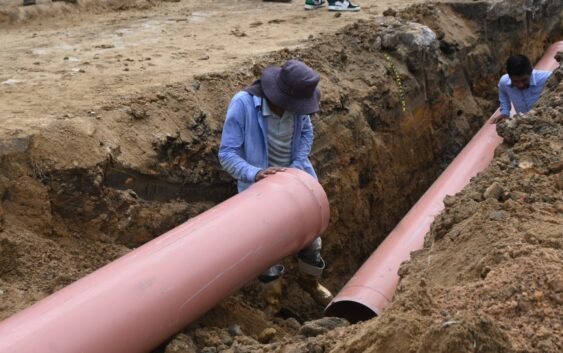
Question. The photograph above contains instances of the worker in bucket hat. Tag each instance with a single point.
(268, 128)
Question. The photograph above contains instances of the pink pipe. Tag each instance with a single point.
(139, 300)
(370, 290)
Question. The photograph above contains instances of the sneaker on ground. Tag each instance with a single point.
(343, 6)
(314, 4)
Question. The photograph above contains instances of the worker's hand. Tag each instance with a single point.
(268, 171)
(499, 118)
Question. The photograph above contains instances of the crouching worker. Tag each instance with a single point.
(521, 85)
(267, 129)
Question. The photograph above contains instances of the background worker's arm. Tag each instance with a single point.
(504, 104)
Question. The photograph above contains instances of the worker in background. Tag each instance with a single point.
(333, 5)
(521, 85)
(267, 129)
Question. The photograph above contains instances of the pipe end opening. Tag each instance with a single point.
(350, 310)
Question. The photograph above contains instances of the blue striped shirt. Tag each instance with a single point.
(522, 99)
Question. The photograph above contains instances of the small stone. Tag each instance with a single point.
(498, 215)
(245, 341)
(293, 323)
(182, 343)
(312, 330)
(267, 335)
(138, 112)
(321, 326)
(494, 191)
(526, 164)
(476, 196)
(235, 330)
(315, 348)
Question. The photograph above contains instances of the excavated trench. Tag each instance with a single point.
(402, 94)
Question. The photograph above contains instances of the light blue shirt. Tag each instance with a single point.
(522, 99)
(244, 146)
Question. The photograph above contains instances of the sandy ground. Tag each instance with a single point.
(59, 58)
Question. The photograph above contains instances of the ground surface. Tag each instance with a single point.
(110, 117)
(57, 58)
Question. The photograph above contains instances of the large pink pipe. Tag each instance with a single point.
(370, 290)
(137, 301)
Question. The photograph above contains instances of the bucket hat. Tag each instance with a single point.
(293, 86)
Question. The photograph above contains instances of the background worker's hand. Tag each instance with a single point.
(268, 171)
(499, 118)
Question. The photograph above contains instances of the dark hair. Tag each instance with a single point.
(518, 65)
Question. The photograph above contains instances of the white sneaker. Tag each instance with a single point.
(314, 4)
(343, 6)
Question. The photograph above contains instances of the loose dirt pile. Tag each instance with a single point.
(97, 176)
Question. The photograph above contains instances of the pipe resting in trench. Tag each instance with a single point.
(371, 288)
(138, 301)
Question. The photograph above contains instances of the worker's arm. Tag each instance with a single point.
(504, 104)
(232, 141)
(304, 148)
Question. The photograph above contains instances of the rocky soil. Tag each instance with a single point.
(402, 94)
